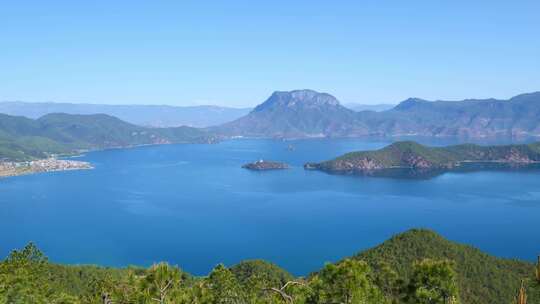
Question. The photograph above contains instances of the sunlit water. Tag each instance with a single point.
(193, 205)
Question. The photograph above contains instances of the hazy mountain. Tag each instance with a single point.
(300, 113)
(306, 113)
(516, 117)
(143, 115)
(358, 107)
(23, 138)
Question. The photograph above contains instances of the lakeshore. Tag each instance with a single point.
(146, 196)
(8, 168)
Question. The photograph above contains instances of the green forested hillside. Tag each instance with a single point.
(22, 138)
(396, 154)
(417, 267)
(412, 155)
(482, 278)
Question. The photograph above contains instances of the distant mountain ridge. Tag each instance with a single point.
(160, 116)
(23, 138)
(359, 107)
(307, 113)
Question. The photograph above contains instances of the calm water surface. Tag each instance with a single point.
(193, 205)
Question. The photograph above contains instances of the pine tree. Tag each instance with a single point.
(160, 283)
(433, 282)
(222, 287)
(347, 282)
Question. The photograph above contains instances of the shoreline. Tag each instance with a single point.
(11, 169)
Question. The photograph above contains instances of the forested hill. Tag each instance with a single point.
(412, 155)
(23, 138)
(418, 266)
(481, 278)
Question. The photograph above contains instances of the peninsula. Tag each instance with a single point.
(414, 156)
(39, 166)
(262, 165)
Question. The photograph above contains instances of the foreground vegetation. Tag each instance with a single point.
(418, 266)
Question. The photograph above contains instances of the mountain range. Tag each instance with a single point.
(160, 116)
(307, 113)
(23, 138)
(359, 107)
(293, 114)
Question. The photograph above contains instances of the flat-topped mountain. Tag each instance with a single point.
(307, 113)
(411, 155)
(300, 113)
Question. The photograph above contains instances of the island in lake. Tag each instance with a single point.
(418, 160)
(262, 165)
(42, 165)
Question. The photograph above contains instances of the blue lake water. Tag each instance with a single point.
(192, 205)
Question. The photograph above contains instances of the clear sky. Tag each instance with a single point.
(236, 53)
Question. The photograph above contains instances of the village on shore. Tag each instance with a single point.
(10, 168)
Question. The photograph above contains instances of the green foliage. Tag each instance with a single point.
(433, 282)
(537, 271)
(222, 287)
(415, 267)
(481, 278)
(389, 281)
(24, 139)
(161, 283)
(266, 271)
(257, 277)
(408, 154)
(346, 282)
(24, 278)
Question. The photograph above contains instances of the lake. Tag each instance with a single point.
(194, 206)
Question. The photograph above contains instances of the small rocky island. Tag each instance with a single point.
(9, 168)
(262, 165)
(414, 157)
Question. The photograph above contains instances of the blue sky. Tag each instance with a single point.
(236, 53)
